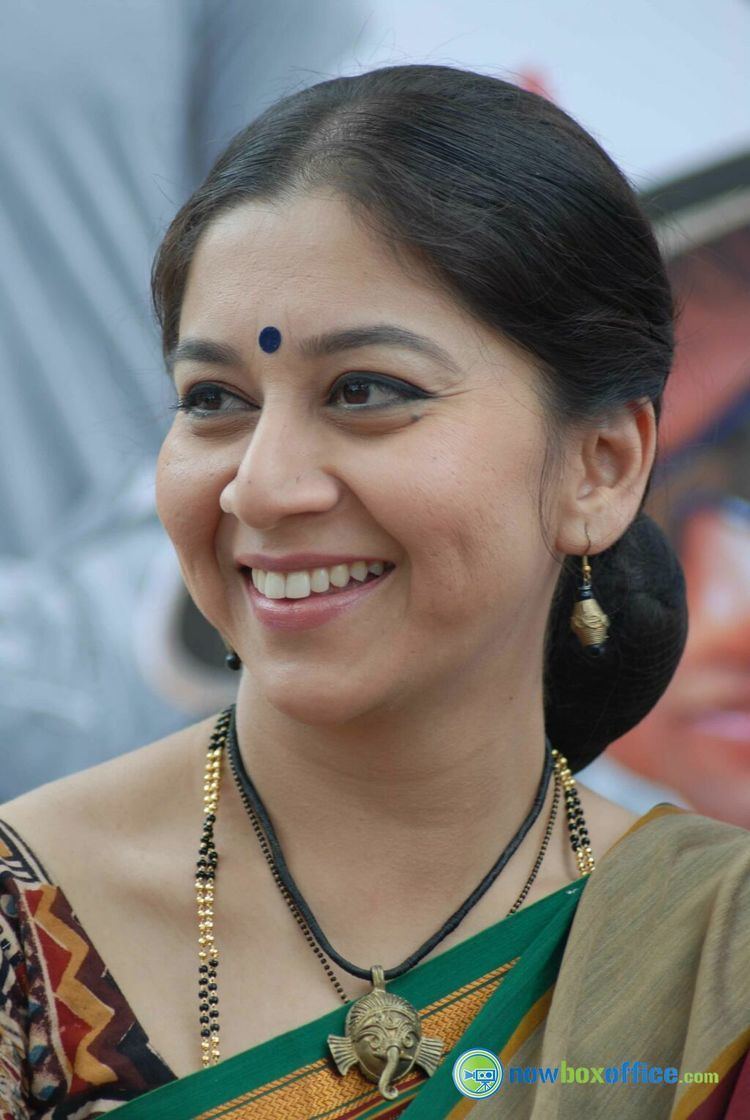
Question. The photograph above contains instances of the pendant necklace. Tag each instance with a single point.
(383, 1032)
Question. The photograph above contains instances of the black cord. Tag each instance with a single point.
(252, 798)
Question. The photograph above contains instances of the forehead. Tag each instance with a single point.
(307, 266)
(299, 263)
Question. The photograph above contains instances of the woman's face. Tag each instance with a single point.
(303, 452)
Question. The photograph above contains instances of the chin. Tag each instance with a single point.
(316, 702)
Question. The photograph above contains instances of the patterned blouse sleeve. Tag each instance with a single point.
(70, 1044)
(14, 1004)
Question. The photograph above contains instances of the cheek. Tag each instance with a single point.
(469, 513)
(187, 502)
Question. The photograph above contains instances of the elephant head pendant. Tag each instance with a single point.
(384, 1035)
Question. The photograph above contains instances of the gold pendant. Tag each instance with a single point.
(384, 1034)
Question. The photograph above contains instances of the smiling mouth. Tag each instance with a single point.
(353, 583)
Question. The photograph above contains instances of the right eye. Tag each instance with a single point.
(189, 403)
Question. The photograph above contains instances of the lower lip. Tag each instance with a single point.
(315, 610)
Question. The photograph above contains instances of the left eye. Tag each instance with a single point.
(361, 385)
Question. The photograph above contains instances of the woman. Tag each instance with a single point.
(419, 332)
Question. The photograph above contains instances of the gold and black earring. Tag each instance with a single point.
(588, 621)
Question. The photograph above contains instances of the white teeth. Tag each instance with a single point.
(275, 585)
(319, 580)
(339, 575)
(297, 585)
(301, 584)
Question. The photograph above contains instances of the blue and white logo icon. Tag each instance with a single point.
(477, 1073)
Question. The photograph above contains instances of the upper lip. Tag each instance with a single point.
(300, 561)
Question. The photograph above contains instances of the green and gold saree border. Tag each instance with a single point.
(457, 994)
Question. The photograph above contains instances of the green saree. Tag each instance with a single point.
(644, 960)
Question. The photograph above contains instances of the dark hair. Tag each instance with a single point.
(519, 213)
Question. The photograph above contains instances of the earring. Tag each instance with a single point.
(231, 658)
(588, 621)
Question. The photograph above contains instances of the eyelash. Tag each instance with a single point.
(406, 392)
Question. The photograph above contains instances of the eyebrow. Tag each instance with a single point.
(318, 346)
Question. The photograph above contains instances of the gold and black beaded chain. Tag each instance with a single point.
(205, 878)
(208, 998)
(579, 836)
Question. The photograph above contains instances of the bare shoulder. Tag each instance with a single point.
(131, 803)
(119, 841)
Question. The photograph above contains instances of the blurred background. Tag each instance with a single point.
(111, 112)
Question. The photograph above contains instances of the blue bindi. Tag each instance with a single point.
(269, 339)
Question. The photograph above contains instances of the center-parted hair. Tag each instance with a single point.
(515, 210)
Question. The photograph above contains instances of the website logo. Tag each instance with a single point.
(477, 1073)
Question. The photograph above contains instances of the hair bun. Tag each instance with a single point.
(589, 702)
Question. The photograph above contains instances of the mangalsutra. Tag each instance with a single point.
(389, 1019)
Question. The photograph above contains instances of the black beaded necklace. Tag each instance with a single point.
(253, 802)
(377, 1005)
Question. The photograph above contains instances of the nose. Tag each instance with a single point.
(281, 471)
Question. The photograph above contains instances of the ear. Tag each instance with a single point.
(604, 477)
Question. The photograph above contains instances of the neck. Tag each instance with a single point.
(435, 791)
